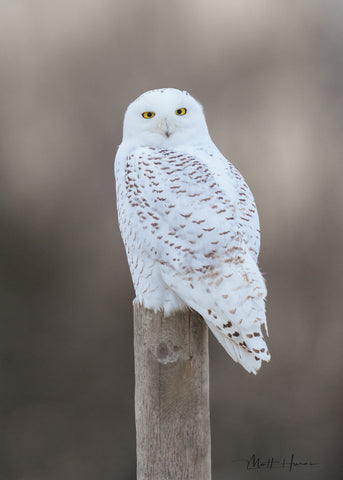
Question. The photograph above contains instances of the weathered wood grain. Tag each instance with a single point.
(171, 396)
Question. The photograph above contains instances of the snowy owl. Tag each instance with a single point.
(189, 223)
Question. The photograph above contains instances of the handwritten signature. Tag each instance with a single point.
(270, 463)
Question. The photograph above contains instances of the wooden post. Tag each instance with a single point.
(171, 396)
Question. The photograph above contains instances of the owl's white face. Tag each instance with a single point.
(166, 117)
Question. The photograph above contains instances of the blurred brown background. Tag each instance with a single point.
(269, 75)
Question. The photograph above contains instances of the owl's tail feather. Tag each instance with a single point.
(231, 299)
(248, 360)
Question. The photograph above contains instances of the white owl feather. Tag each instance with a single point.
(189, 223)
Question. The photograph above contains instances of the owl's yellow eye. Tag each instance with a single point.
(180, 111)
(148, 114)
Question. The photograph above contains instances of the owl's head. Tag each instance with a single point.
(165, 117)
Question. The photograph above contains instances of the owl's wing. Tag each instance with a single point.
(178, 212)
(177, 204)
(248, 216)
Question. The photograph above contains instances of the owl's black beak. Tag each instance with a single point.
(165, 128)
